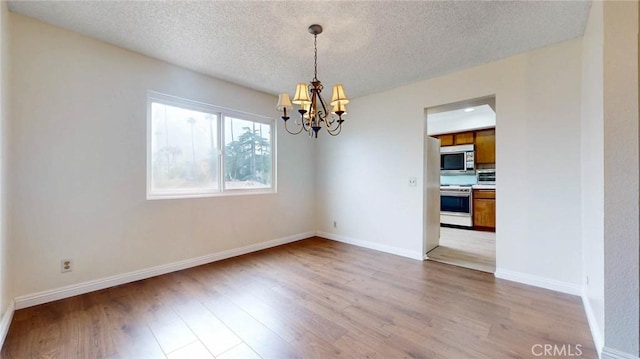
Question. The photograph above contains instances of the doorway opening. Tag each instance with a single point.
(466, 132)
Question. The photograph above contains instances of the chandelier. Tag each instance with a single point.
(313, 109)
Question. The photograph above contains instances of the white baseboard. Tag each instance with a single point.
(593, 325)
(93, 285)
(552, 284)
(608, 353)
(371, 245)
(5, 322)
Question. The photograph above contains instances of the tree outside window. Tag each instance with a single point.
(247, 154)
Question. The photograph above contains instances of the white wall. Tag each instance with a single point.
(79, 146)
(363, 174)
(610, 160)
(621, 177)
(593, 172)
(5, 293)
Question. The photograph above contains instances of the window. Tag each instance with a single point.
(197, 150)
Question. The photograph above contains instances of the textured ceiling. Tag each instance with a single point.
(367, 46)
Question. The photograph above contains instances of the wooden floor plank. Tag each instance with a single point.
(466, 248)
(309, 299)
(215, 336)
(241, 351)
(260, 338)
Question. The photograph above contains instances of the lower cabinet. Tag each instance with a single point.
(484, 209)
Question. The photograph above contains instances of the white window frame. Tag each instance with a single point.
(221, 113)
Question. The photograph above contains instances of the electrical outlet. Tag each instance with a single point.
(413, 182)
(587, 280)
(66, 265)
(335, 224)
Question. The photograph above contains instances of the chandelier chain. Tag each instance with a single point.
(315, 57)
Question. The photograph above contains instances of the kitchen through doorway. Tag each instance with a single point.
(467, 132)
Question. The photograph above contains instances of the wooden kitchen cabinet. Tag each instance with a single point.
(463, 138)
(450, 139)
(446, 140)
(484, 209)
(486, 146)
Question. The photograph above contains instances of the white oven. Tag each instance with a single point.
(456, 205)
(487, 177)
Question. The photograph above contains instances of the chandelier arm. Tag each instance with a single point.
(329, 121)
(324, 108)
(301, 119)
(313, 108)
(293, 133)
(306, 124)
(330, 124)
(336, 131)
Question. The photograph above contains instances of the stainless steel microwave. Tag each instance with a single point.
(457, 159)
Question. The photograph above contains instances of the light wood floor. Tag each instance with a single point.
(310, 299)
(465, 248)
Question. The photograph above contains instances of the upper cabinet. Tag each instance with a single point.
(445, 140)
(486, 146)
(484, 140)
(463, 138)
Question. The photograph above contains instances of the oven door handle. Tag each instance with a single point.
(455, 194)
(457, 214)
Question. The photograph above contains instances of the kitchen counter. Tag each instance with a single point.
(483, 186)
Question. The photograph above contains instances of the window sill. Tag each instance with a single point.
(228, 193)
